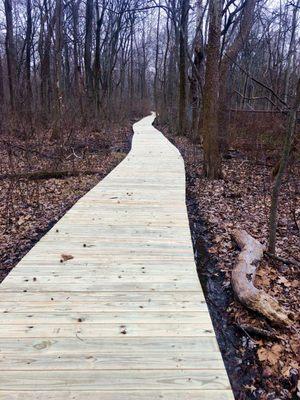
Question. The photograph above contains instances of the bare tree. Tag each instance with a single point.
(231, 52)
(282, 168)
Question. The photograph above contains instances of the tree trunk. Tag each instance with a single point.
(75, 16)
(164, 105)
(67, 79)
(97, 66)
(143, 66)
(291, 51)
(183, 33)
(10, 54)
(197, 77)
(1, 86)
(58, 55)
(131, 77)
(282, 167)
(88, 47)
(28, 57)
(44, 48)
(156, 62)
(212, 159)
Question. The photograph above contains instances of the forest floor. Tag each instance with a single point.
(259, 367)
(30, 207)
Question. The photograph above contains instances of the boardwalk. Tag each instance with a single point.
(125, 318)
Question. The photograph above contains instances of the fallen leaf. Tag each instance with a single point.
(250, 387)
(284, 281)
(271, 355)
(66, 257)
(287, 368)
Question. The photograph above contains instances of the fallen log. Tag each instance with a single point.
(242, 280)
(39, 175)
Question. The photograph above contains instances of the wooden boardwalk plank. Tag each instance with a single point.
(119, 345)
(100, 297)
(121, 395)
(86, 330)
(99, 360)
(119, 379)
(124, 318)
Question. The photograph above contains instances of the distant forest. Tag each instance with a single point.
(103, 59)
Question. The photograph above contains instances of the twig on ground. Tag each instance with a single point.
(281, 259)
(258, 331)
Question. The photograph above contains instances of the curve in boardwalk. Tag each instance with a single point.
(125, 318)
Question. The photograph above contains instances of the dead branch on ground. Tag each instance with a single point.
(243, 276)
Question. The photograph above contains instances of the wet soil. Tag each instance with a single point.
(218, 298)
